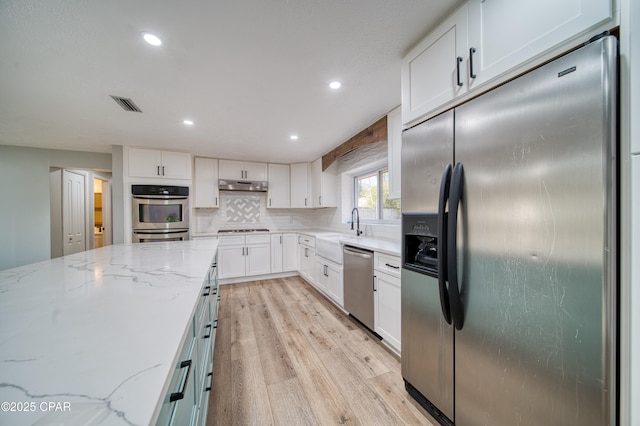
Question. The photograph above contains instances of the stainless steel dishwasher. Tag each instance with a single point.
(358, 284)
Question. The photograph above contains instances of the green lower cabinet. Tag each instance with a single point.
(187, 400)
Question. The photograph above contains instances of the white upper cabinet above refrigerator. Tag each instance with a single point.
(506, 34)
(485, 43)
(433, 72)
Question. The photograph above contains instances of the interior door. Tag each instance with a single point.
(73, 212)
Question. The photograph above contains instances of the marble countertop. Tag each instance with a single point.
(92, 338)
(376, 244)
(370, 243)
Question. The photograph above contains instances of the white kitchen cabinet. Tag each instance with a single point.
(387, 302)
(307, 255)
(329, 279)
(279, 193)
(387, 308)
(506, 34)
(242, 256)
(289, 252)
(433, 72)
(323, 185)
(484, 43)
(300, 185)
(234, 170)
(277, 253)
(206, 193)
(394, 148)
(149, 163)
(258, 259)
(232, 260)
(284, 252)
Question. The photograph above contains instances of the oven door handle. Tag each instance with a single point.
(160, 197)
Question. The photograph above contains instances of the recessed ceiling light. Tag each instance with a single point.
(152, 39)
(188, 122)
(294, 137)
(335, 85)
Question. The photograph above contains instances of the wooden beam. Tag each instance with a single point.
(377, 132)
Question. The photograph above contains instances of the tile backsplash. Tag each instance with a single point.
(240, 210)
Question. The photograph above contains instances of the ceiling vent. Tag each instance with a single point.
(126, 103)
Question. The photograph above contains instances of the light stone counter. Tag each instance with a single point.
(92, 338)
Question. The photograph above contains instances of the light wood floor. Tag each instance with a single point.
(284, 355)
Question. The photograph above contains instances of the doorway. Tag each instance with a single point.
(80, 202)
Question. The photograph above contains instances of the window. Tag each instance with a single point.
(372, 196)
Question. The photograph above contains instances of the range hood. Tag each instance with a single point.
(243, 185)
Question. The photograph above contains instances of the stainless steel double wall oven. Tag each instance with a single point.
(160, 213)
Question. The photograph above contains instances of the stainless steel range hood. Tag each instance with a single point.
(243, 185)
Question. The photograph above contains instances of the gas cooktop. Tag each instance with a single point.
(238, 231)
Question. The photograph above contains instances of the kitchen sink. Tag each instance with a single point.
(328, 246)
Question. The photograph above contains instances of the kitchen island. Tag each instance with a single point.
(95, 337)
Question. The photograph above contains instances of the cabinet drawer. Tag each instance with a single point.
(307, 240)
(235, 240)
(387, 263)
(258, 239)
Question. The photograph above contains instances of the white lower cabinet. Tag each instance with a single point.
(387, 302)
(284, 252)
(242, 256)
(290, 252)
(307, 256)
(329, 279)
(187, 400)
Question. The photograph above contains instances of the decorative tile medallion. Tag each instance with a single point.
(243, 210)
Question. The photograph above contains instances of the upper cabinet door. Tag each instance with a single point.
(300, 185)
(176, 165)
(237, 170)
(229, 169)
(255, 171)
(507, 33)
(206, 183)
(279, 194)
(434, 72)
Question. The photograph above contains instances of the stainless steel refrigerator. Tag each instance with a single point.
(509, 285)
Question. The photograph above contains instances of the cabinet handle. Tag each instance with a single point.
(269, 202)
(305, 201)
(208, 388)
(320, 200)
(162, 170)
(280, 239)
(247, 251)
(216, 202)
(374, 282)
(472, 74)
(176, 396)
(391, 266)
(458, 62)
(207, 290)
(158, 172)
(207, 336)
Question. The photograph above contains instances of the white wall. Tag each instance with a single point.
(25, 225)
(630, 213)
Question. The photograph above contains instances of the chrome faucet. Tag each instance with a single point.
(358, 231)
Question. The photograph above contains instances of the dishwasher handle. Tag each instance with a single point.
(362, 254)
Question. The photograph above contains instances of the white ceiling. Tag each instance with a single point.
(249, 72)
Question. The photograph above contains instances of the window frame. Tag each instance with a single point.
(378, 172)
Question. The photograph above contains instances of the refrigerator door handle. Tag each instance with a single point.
(455, 196)
(445, 184)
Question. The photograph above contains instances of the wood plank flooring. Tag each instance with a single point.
(284, 355)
